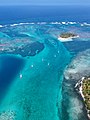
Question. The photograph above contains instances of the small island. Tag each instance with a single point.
(67, 36)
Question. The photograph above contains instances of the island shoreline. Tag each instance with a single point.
(79, 90)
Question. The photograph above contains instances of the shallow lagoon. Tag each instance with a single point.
(38, 93)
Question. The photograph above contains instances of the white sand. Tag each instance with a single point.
(67, 39)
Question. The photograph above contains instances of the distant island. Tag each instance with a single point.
(67, 36)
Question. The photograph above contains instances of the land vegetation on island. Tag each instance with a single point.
(86, 91)
(83, 87)
(68, 35)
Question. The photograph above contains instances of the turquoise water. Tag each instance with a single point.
(35, 92)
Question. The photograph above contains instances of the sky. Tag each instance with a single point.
(43, 2)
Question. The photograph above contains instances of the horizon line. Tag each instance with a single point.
(43, 4)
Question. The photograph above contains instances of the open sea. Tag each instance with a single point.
(13, 14)
(33, 61)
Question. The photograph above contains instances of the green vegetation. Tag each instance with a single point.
(86, 91)
(67, 35)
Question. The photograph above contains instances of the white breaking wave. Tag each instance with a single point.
(55, 22)
(14, 25)
(60, 23)
(72, 23)
(1, 25)
(87, 24)
(20, 24)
